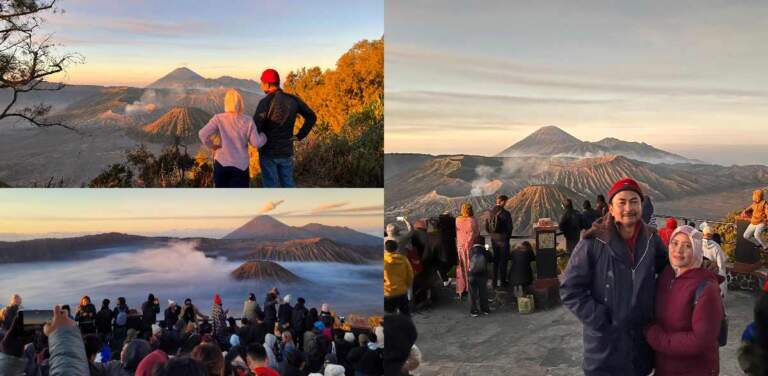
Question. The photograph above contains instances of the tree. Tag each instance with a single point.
(28, 59)
(357, 81)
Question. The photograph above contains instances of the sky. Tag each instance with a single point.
(135, 42)
(682, 75)
(35, 213)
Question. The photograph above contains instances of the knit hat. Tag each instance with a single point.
(156, 329)
(706, 230)
(696, 241)
(287, 299)
(171, 302)
(216, 299)
(334, 370)
(625, 184)
(234, 340)
(324, 307)
(349, 337)
(270, 76)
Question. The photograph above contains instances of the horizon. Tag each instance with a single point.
(664, 75)
(737, 154)
(33, 214)
(134, 43)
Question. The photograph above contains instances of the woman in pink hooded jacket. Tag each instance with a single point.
(467, 231)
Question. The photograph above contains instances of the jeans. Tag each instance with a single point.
(500, 260)
(276, 172)
(478, 292)
(754, 234)
(230, 177)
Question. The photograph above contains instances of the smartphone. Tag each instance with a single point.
(37, 317)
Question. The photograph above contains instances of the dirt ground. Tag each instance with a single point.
(542, 343)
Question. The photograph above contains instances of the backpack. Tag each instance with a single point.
(492, 223)
(122, 317)
(478, 263)
(722, 339)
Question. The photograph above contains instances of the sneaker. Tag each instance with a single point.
(485, 313)
(474, 313)
(447, 283)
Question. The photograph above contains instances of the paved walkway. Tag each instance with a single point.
(543, 343)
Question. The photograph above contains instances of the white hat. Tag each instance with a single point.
(349, 337)
(334, 370)
(156, 329)
(287, 298)
(171, 302)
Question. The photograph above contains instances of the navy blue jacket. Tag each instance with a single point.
(614, 297)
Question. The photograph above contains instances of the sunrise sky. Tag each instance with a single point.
(135, 42)
(34, 213)
(687, 76)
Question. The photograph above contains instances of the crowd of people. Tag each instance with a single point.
(276, 337)
(650, 300)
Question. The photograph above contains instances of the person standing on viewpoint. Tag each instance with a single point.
(610, 285)
(236, 131)
(499, 226)
(276, 116)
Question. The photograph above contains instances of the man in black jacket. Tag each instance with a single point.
(276, 116)
(571, 224)
(499, 227)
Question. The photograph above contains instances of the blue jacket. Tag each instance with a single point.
(613, 296)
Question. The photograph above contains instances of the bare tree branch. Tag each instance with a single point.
(27, 60)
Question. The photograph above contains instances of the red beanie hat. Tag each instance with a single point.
(270, 76)
(216, 299)
(625, 184)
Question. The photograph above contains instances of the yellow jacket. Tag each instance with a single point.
(398, 274)
(759, 208)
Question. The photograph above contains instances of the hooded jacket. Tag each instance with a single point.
(759, 208)
(613, 295)
(684, 335)
(275, 117)
(398, 274)
(666, 232)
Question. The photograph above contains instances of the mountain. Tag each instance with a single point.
(402, 162)
(185, 78)
(442, 183)
(266, 271)
(99, 107)
(340, 234)
(552, 141)
(179, 78)
(265, 227)
(180, 122)
(65, 248)
(303, 250)
(212, 100)
(539, 201)
(433, 204)
(309, 250)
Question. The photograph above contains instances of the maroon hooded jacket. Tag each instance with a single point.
(684, 336)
